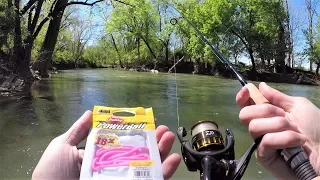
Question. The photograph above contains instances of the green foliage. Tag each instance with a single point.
(6, 25)
(63, 51)
(143, 34)
(102, 54)
(316, 55)
(135, 29)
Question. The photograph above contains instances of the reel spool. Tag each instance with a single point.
(210, 154)
(206, 136)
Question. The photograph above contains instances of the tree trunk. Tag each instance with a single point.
(280, 50)
(310, 37)
(263, 64)
(149, 47)
(317, 70)
(235, 55)
(154, 56)
(290, 34)
(253, 68)
(138, 44)
(47, 48)
(167, 53)
(115, 46)
(248, 47)
(21, 54)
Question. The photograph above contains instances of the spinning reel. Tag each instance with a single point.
(215, 158)
(210, 154)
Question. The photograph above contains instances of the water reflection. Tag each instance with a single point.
(29, 122)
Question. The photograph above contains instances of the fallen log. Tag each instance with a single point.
(175, 64)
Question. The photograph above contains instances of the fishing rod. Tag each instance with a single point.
(213, 156)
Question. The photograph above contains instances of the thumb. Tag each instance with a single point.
(276, 97)
(79, 130)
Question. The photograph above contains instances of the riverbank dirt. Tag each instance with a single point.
(11, 82)
(294, 77)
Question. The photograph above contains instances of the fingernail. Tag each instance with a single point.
(244, 88)
(266, 85)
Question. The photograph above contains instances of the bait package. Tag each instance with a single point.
(122, 147)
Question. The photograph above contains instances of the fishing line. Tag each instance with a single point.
(175, 81)
(213, 48)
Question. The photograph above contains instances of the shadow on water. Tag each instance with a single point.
(26, 119)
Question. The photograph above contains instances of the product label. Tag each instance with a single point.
(107, 140)
(141, 173)
(122, 146)
(141, 163)
(105, 125)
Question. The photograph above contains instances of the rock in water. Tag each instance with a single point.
(154, 71)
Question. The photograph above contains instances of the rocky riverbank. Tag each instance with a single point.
(294, 76)
(10, 82)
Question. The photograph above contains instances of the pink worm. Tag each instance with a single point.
(103, 150)
(130, 153)
(137, 157)
(120, 156)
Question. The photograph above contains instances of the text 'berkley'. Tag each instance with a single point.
(105, 125)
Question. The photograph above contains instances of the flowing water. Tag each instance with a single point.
(29, 122)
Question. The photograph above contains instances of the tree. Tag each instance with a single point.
(316, 52)
(28, 19)
(259, 25)
(290, 60)
(56, 13)
(311, 8)
(134, 30)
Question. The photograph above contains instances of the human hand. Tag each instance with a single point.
(62, 160)
(286, 122)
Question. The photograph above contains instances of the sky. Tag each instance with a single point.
(297, 8)
(299, 17)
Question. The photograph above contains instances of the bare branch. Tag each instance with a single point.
(53, 15)
(17, 28)
(65, 22)
(124, 3)
(82, 3)
(27, 6)
(52, 6)
(239, 36)
(36, 16)
(30, 17)
(35, 34)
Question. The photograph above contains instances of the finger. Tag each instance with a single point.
(271, 142)
(79, 130)
(81, 154)
(80, 159)
(259, 111)
(279, 168)
(165, 144)
(160, 131)
(268, 154)
(243, 97)
(170, 165)
(260, 127)
(276, 97)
